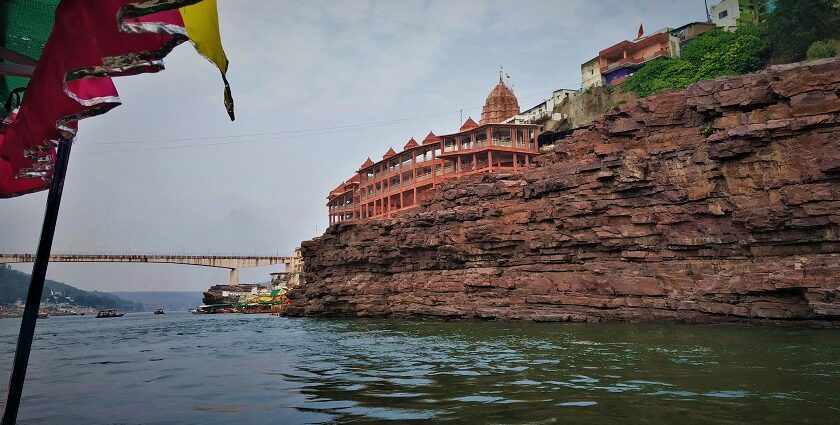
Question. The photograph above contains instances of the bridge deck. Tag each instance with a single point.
(221, 261)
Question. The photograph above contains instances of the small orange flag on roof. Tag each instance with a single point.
(641, 31)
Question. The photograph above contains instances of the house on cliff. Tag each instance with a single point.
(401, 180)
(621, 60)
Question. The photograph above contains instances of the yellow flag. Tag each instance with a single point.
(201, 21)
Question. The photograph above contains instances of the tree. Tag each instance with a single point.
(753, 12)
(796, 24)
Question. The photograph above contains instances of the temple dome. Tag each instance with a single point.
(411, 144)
(469, 124)
(501, 104)
(389, 154)
(366, 164)
(431, 138)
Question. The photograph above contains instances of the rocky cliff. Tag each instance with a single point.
(719, 202)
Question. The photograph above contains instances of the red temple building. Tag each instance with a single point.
(401, 180)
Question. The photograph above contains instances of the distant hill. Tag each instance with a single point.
(14, 284)
(168, 301)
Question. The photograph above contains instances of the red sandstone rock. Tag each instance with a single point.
(721, 202)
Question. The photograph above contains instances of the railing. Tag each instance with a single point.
(424, 177)
(632, 61)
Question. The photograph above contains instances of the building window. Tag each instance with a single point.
(723, 14)
(449, 145)
(503, 159)
(481, 138)
(501, 136)
(466, 163)
(423, 156)
(466, 142)
(520, 139)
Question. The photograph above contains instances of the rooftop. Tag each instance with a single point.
(500, 105)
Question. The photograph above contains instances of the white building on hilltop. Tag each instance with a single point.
(725, 14)
(544, 110)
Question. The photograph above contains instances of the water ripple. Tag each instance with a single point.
(185, 369)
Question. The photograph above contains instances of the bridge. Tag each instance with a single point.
(232, 263)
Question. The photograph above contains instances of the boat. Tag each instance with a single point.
(108, 313)
(214, 309)
(43, 315)
(159, 311)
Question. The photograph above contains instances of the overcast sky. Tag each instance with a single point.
(168, 172)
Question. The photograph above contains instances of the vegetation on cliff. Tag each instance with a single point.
(14, 284)
(794, 30)
(715, 54)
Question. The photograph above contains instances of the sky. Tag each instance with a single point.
(319, 86)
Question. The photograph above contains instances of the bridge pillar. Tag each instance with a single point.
(234, 276)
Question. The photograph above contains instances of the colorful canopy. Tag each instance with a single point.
(88, 43)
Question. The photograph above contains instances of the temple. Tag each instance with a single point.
(399, 181)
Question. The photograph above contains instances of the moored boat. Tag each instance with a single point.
(214, 309)
(108, 313)
(159, 311)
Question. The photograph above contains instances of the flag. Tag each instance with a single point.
(87, 45)
(641, 31)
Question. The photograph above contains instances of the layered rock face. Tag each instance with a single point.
(720, 202)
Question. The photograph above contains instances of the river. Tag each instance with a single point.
(180, 368)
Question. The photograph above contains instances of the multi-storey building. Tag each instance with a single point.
(621, 60)
(402, 180)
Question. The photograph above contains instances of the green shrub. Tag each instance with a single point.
(661, 74)
(822, 49)
(714, 54)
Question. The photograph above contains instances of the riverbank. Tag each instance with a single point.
(717, 203)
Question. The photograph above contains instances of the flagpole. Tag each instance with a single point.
(36, 285)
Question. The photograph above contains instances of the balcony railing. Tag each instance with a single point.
(632, 61)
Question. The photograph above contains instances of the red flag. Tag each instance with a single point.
(89, 45)
(641, 31)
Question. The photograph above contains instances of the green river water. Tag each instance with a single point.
(222, 369)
